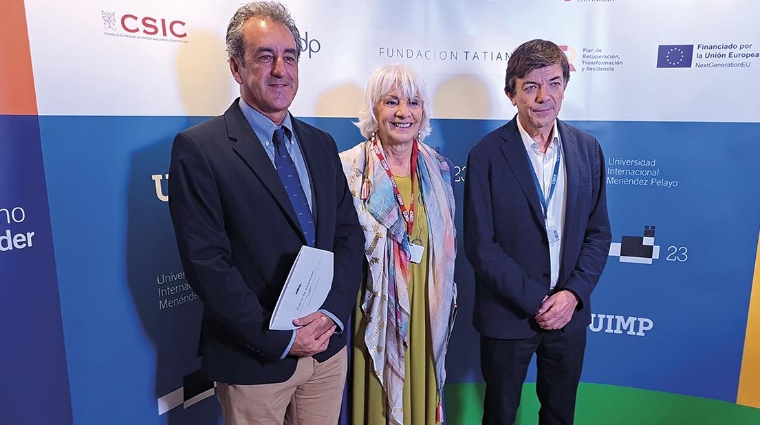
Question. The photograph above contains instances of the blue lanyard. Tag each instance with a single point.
(555, 175)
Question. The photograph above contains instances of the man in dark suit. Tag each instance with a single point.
(247, 190)
(537, 233)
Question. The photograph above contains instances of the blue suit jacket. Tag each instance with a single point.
(505, 238)
(238, 236)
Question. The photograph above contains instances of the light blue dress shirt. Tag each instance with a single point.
(264, 129)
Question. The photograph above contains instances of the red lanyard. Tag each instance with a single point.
(408, 215)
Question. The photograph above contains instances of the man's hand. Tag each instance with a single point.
(314, 335)
(314, 317)
(556, 311)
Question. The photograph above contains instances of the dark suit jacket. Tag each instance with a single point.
(505, 238)
(238, 236)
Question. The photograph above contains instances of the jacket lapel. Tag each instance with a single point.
(248, 147)
(572, 164)
(514, 152)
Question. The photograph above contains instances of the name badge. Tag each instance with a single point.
(553, 234)
(415, 252)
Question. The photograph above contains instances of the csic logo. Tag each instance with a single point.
(571, 54)
(150, 26)
(109, 20)
(147, 27)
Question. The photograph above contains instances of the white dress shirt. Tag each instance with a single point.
(543, 165)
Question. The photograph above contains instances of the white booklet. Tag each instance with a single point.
(306, 287)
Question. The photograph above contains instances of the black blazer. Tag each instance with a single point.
(238, 235)
(505, 238)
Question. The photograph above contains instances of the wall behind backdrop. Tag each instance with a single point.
(98, 324)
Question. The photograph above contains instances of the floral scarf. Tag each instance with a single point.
(385, 300)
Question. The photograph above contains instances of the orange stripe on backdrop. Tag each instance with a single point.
(749, 380)
(17, 96)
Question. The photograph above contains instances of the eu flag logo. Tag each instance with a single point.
(675, 56)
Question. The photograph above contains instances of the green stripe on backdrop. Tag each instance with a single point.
(607, 405)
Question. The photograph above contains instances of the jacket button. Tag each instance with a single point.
(544, 242)
(546, 275)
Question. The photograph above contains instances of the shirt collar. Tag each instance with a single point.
(530, 144)
(262, 125)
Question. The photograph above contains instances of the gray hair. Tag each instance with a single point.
(530, 56)
(271, 10)
(385, 79)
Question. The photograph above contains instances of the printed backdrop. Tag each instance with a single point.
(99, 325)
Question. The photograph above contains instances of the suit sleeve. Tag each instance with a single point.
(204, 247)
(491, 263)
(348, 248)
(597, 237)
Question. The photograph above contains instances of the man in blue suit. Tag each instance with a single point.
(537, 233)
(247, 190)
